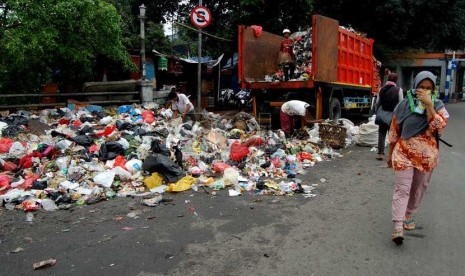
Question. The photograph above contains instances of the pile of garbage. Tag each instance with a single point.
(303, 54)
(89, 154)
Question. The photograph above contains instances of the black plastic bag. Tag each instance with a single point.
(163, 165)
(124, 125)
(157, 147)
(86, 119)
(12, 131)
(139, 132)
(83, 140)
(109, 150)
(86, 130)
(16, 120)
(39, 185)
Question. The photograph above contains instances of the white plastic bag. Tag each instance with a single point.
(123, 142)
(105, 178)
(231, 177)
(133, 165)
(49, 205)
(17, 149)
(122, 173)
(368, 135)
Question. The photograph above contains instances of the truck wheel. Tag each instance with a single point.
(334, 110)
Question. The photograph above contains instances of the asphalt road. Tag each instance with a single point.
(345, 230)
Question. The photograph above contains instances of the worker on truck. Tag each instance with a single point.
(291, 114)
(286, 58)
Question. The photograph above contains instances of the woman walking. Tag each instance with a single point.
(388, 98)
(417, 123)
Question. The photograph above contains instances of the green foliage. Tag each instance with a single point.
(400, 25)
(61, 37)
(228, 14)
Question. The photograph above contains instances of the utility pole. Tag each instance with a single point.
(199, 69)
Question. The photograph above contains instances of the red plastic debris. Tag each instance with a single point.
(219, 167)
(238, 152)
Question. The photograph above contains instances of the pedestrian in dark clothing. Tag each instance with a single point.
(388, 98)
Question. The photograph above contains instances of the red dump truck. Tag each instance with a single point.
(343, 73)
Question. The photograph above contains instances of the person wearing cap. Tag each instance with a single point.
(286, 58)
(180, 103)
(388, 98)
(292, 111)
(417, 122)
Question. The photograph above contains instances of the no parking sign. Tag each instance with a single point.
(200, 16)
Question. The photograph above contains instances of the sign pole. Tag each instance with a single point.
(199, 69)
(201, 18)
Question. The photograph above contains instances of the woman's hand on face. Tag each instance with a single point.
(424, 96)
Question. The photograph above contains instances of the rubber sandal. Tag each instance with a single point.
(398, 236)
(409, 224)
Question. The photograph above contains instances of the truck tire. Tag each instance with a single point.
(334, 110)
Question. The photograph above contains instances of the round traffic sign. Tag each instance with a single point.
(201, 16)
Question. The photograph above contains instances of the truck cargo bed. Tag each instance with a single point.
(338, 56)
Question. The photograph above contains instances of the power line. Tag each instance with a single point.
(194, 29)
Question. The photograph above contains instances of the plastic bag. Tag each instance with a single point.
(133, 165)
(219, 167)
(276, 162)
(109, 150)
(238, 152)
(231, 177)
(28, 160)
(105, 178)
(157, 147)
(148, 116)
(30, 179)
(17, 149)
(5, 181)
(181, 185)
(304, 156)
(124, 143)
(9, 167)
(254, 142)
(120, 161)
(49, 205)
(153, 181)
(62, 162)
(163, 165)
(368, 135)
(107, 131)
(83, 140)
(122, 174)
(124, 109)
(5, 145)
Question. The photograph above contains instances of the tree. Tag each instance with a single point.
(402, 25)
(59, 38)
(228, 14)
(157, 14)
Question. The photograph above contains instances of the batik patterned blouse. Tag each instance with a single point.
(420, 152)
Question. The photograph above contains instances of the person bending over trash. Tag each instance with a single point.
(180, 103)
(292, 111)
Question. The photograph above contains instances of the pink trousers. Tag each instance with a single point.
(411, 186)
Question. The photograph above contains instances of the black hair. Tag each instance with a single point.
(310, 108)
(392, 77)
(172, 95)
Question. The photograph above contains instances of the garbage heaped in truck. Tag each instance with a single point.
(335, 69)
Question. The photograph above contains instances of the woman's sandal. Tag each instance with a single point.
(409, 224)
(380, 157)
(398, 236)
